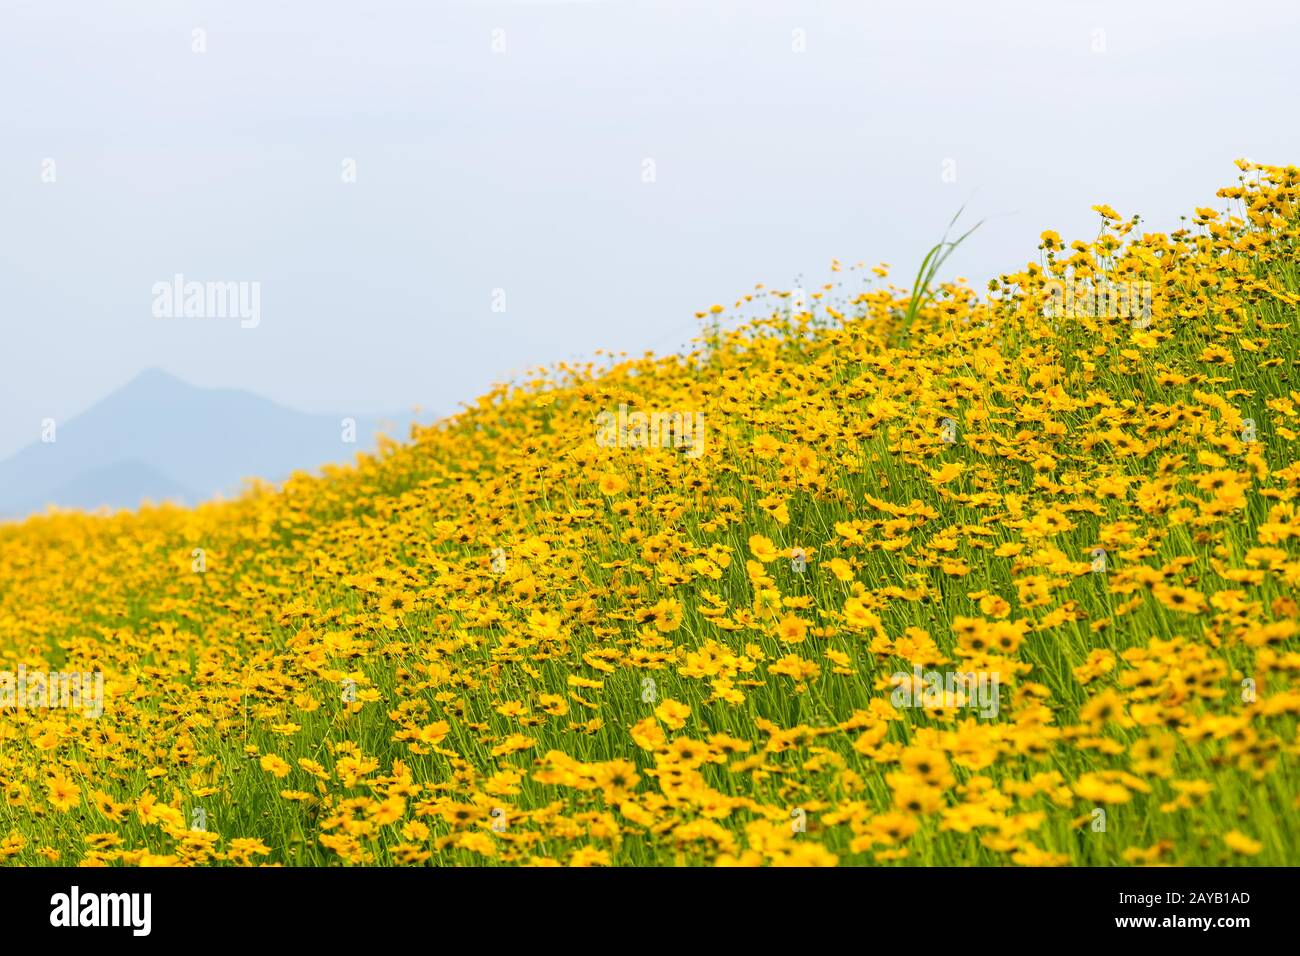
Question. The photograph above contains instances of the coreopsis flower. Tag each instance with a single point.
(64, 794)
(276, 766)
(761, 547)
(611, 484)
(792, 629)
(673, 714)
(1238, 842)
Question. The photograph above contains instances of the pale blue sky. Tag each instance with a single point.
(522, 170)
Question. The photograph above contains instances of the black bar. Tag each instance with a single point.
(364, 907)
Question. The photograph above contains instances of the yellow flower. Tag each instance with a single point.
(64, 794)
(611, 484)
(761, 547)
(994, 606)
(666, 615)
(673, 713)
(792, 629)
(275, 765)
(389, 811)
(858, 617)
(648, 735)
(1104, 708)
(591, 856)
(941, 476)
(415, 830)
(842, 570)
(1238, 842)
(1217, 355)
(766, 447)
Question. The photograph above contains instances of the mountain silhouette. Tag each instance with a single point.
(159, 438)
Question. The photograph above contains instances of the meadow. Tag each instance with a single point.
(538, 633)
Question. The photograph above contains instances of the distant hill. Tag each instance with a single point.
(119, 482)
(159, 438)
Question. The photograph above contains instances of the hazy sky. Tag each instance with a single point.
(480, 168)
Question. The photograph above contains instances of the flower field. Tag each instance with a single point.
(962, 575)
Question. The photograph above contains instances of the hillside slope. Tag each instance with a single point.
(525, 637)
